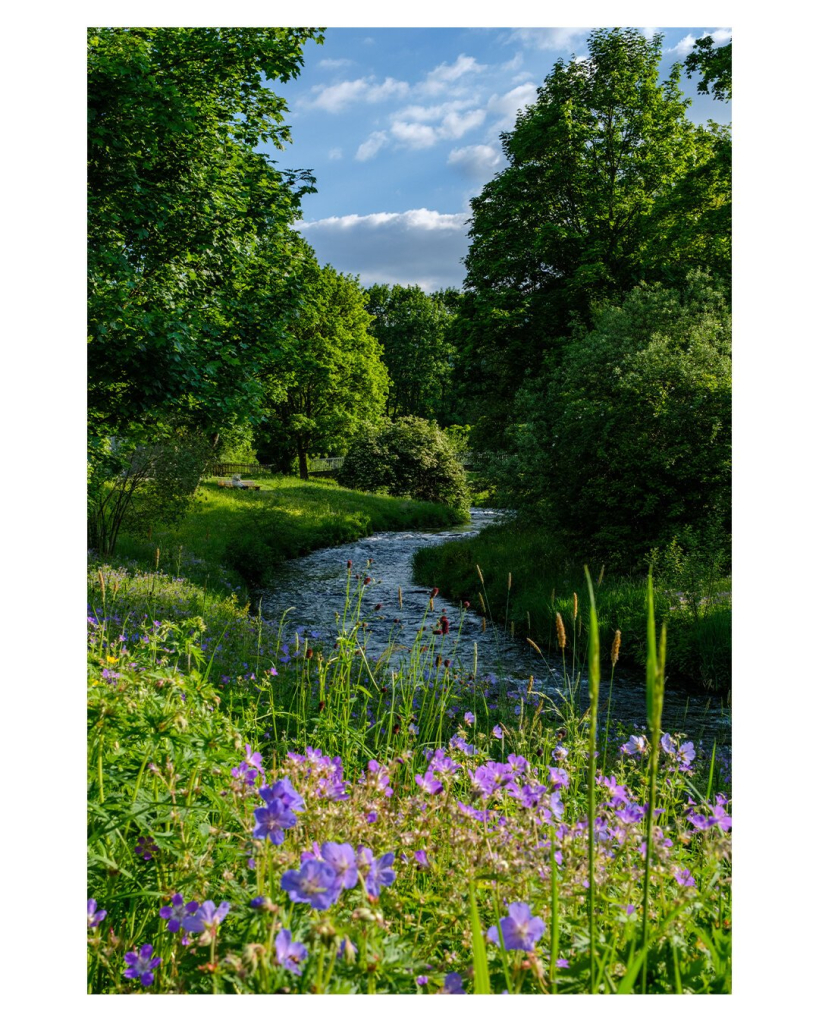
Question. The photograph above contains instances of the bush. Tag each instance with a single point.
(409, 458)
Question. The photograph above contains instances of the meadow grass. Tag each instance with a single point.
(247, 532)
(544, 584)
(271, 810)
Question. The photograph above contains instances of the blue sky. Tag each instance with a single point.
(401, 126)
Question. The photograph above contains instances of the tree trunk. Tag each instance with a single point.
(302, 463)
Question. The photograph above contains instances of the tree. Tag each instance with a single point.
(409, 458)
(327, 378)
(714, 64)
(595, 166)
(190, 254)
(628, 443)
(189, 241)
(412, 328)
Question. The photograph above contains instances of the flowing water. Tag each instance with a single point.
(314, 587)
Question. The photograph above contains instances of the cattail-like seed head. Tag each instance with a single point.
(102, 582)
(480, 574)
(615, 648)
(574, 607)
(400, 599)
(600, 577)
(509, 581)
(532, 643)
(483, 605)
(157, 558)
(531, 684)
(561, 631)
(483, 625)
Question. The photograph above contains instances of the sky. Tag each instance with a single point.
(401, 129)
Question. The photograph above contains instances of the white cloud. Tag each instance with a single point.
(444, 75)
(506, 107)
(335, 153)
(341, 62)
(548, 38)
(721, 36)
(368, 148)
(454, 126)
(435, 113)
(421, 246)
(683, 47)
(414, 134)
(477, 162)
(334, 98)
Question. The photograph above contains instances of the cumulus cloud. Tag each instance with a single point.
(683, 47)
(433, 113)
(454, 125)
(341, 62)
(335, 98)
(421, 246)
(371, 145)
(506, 107)
(444, 75)
(476, 162)
(548, 38)
(414, 134)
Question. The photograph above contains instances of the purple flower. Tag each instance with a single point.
(422, 979)
(341, 858)
(207, 918)
(141, 965)
(453, 985)
(687, 753)
(441, 762)
(560, 753)
(519, 930)
(95, 916)
(460, 744)
(421, 857)
(636, 746)
(381, 874)
(145, 848)
(283, 790)
(631, 813)
(668, 744)
(177, 911)
(685, 878)
(288, 953)
(429, 783)
(315, 883)
(469, 718)
(271, 820)
(558, 778)
(497, 732)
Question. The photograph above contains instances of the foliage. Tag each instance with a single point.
(629, 440)
(412, 328)
(194, 709)
(606, 174)
(409, 457)
(326, 379)
(693, 596)
(236, 444)
(155, 485)
(713, 63)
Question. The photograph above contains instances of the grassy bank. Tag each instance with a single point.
(527, 584)
(274, 811)
(248, 532)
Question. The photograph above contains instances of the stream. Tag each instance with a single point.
(314, 587)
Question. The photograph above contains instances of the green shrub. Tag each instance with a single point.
(409, 458)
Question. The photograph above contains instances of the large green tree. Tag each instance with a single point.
(606, 174)
(413, 327)
(326, 378)
(189, 244)
(628, 443)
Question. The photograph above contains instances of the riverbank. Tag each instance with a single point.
(233, 538)
(526, 585)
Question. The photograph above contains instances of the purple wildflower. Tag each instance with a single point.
(146, 848)
(207, 918)
(636, 746)
(381, 874)
(519, 930)
(177, 911)
(453, 985)
(560, 753)
(460, 744)
(429, 783)
(341, 858)
(271, 820)
(469, 718)
(558, 778)
(421, 857)
(283, 790)
(315, 883)
(441, 762)
(95, 917)
(631, 813)
(288, 953)
(685, 878)
(497, 732)
(422, 980)
(141, 965)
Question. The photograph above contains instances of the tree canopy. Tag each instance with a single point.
(606, 172)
